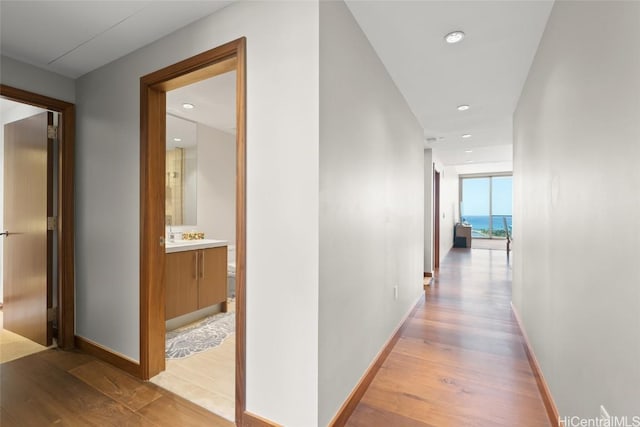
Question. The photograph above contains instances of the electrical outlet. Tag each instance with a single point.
(604, 415)
(395, 292)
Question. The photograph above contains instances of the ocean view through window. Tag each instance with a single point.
(486, 204)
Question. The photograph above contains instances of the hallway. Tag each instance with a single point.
(460, 359)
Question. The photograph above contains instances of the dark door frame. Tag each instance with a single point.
(65, 228)
(153, 88)
(436, 219)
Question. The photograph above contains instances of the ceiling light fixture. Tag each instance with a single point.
(463, 107)
(468, 151)
(188, 106)
(454, 37)
(466, 135)
(177, 139)
(469, 161)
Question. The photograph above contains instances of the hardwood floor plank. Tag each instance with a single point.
(171, 410)
(460, 360)
(367, 416)
(37, 393)
(74, 389)
(65, 359)
(137, 420)
(117, 384)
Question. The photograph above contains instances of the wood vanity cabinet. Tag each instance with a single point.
(212, 286)
(195, 279)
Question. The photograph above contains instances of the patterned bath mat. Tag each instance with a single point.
(201, 336)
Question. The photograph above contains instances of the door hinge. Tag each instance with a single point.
(52, 223)
(52, 132)
(52, 314)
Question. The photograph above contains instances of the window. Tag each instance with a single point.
(485, 203)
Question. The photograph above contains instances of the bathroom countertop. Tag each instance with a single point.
(191, 245)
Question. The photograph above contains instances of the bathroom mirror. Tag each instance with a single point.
(181, 171)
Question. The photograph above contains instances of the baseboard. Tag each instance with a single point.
(543, 387)
(347, 408)
(109, 356)
(252, 420)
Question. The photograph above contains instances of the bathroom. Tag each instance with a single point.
(200, 215)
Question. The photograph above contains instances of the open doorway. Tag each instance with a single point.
(37, 217)
(204, 262)
(200, 212)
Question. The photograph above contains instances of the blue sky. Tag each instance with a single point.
(475, 193)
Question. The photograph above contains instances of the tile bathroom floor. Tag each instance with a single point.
(206, 379)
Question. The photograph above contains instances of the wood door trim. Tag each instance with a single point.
(252, 420)
(50, 189)
(153, 89)
(108, 355)
(436, 219)
(349, 405)
(66, 232)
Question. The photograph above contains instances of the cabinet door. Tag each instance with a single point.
(212, 288)
(182, 283)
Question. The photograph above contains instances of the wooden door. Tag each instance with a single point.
(28, 201)
(212, 288)
(181, 283)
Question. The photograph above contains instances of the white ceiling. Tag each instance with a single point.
(486, 70)
(74, 37)
(214, 100)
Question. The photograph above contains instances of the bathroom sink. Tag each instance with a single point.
(190, 245)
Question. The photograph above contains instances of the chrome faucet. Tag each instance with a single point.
(172, 236)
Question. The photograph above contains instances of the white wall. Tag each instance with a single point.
(216, 186)
(282, 204)
(371, 207)
(491, 167)
(190, 194)
(27, 77)
(449, 203)
(577, 204)
(428, 211)
(17, 112)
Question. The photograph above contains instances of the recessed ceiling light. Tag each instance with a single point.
(466, 135)
(177, 139)
(463, 107)
(188, 106)
(454, 37)
(468, 151)
(469, 161)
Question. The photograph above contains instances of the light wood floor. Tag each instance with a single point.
(14, 346)
(460, 360)
(56, 387)
(206, 379)
(492, 244)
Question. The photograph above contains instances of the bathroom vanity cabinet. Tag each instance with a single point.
(196, 277)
